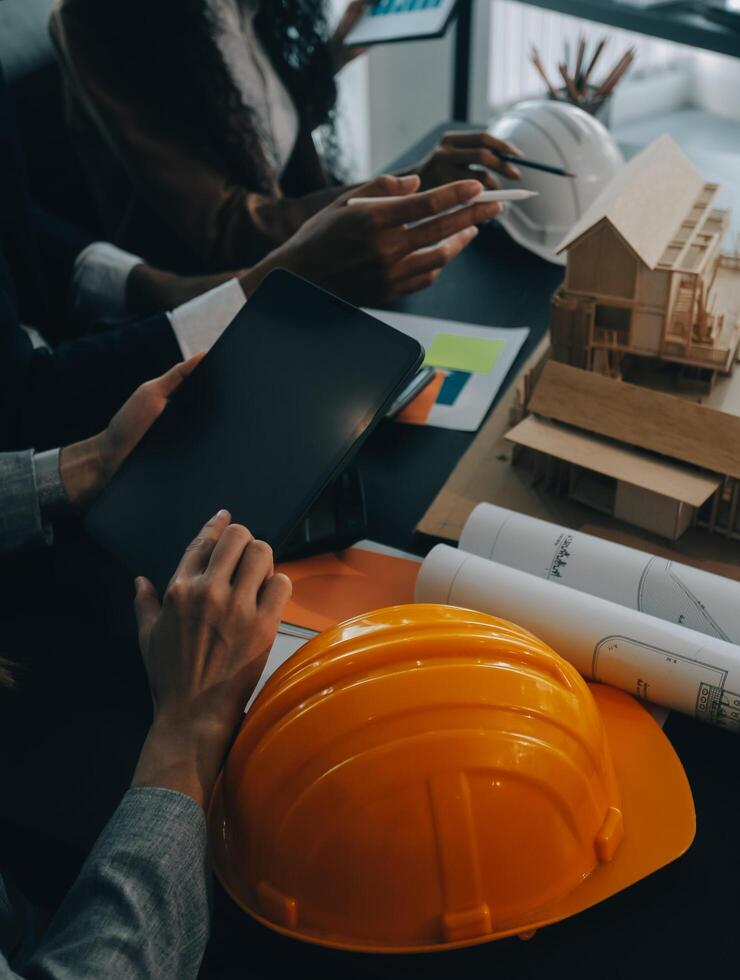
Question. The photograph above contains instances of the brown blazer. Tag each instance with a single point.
(174, 157)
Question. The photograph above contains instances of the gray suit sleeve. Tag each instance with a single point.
(21, 522)
(139, 908)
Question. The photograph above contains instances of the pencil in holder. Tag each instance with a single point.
(599, 107)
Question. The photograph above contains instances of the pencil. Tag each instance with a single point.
(533, 164)
(592, 64)
(537, 62)
(581, 53)
(569, 83)
(615, 74)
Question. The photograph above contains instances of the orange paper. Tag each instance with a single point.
(417, 411)
(328, 589)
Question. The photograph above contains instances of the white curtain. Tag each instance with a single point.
(515, 27)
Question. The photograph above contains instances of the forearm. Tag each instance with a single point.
(139, 908)
(280, 218)
(149, 290)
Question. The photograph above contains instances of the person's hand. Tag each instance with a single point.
(204, 649)
(85, 467)
(464, 155)
(342, 54)
(370, 253)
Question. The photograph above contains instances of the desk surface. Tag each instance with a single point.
(679, 920)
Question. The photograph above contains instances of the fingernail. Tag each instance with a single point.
(516, 171)
(220, 515)
(138, 581)
(472, 232)
(408, 181)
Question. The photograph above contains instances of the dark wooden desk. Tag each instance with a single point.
(494, 283)
(85, 723)
(676, 922)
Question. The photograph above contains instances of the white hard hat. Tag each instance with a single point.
(564, 136)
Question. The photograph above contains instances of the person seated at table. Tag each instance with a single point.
(62, 394)
(139, 908)
(195, 122)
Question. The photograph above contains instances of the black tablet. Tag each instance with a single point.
(402, 20)
(273, 413)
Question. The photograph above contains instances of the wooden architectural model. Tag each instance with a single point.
(646, 274)
(658, 461)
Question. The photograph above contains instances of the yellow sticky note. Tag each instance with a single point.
(459, 353)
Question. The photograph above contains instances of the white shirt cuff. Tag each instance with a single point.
(198, 324)
(99, 280)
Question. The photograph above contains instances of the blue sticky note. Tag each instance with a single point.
(452, 385)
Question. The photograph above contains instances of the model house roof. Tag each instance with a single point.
(666, 424)
(647, 202)
(633, 466)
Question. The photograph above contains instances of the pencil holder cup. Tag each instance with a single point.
(600, 108)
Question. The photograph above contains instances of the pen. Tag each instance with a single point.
(485, 197)
(533, 164)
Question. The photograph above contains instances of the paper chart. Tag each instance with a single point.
(471, 361)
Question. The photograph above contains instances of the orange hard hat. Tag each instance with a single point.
(425, 777)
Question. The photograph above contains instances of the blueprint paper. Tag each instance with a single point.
(669, 590)
(650, 658)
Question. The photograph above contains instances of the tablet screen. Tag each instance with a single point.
(264, 423)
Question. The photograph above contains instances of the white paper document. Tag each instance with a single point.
(288, 640)
(669, 590)
(655, 659)
(469, 390)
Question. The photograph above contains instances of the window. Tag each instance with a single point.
(612, 325)
(515, 27)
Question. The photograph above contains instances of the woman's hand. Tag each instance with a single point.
(204, 649)
(457, 153)
(85, 467)
(374, 252)
(341, 53)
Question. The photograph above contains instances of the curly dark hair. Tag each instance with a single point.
(295, 34)
(6, 673)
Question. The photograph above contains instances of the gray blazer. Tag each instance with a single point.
(139, 909)
(21, 522)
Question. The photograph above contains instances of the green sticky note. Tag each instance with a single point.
(471, 354)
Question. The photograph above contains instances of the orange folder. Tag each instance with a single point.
(330, 588)
(417, 411)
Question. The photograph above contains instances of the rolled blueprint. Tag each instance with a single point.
(654, 660)
(669, 590)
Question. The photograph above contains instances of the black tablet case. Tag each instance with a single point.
(271, 415)
(419, 36)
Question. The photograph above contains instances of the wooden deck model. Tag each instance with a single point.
(655, 460)
(646, 274)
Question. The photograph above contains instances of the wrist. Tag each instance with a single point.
(81, 471)
(184, 756)
(280, 258)
(151, 290)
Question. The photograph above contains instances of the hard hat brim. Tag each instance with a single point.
(656, 803)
